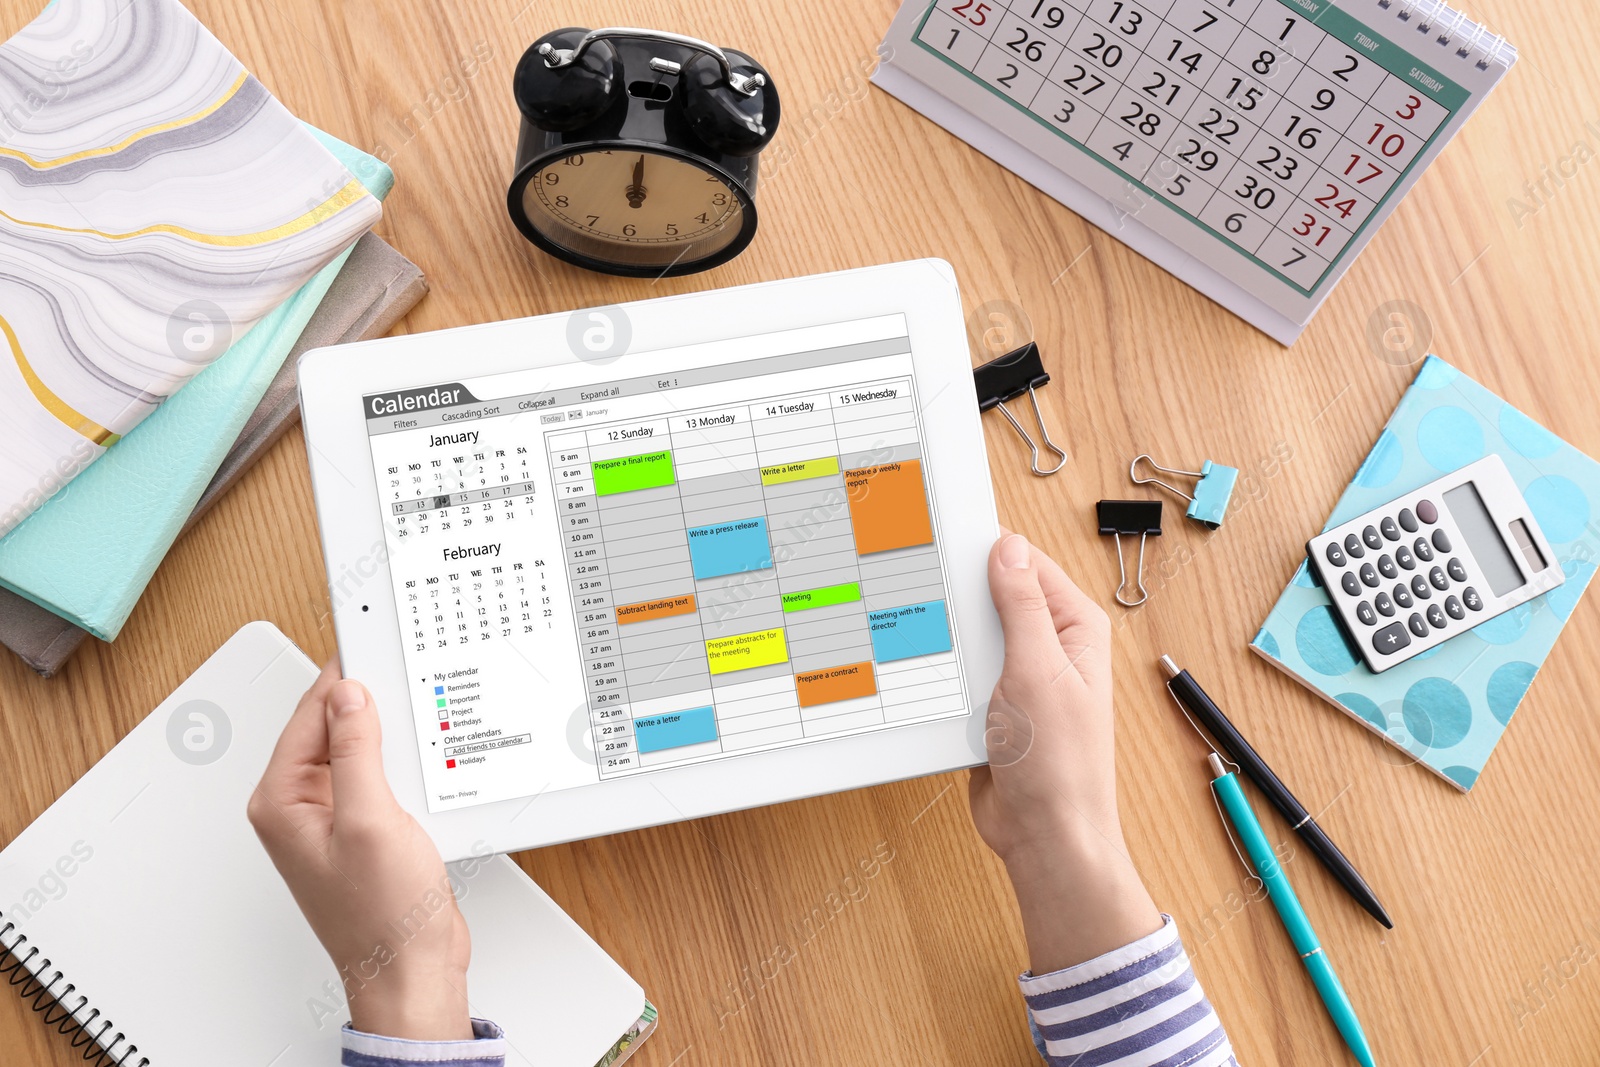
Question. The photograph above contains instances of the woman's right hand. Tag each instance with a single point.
(1047, 801)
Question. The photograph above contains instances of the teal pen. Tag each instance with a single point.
(1226, 786)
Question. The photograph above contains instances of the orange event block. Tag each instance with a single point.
(888, 506)
(665, 608)
(835, 683)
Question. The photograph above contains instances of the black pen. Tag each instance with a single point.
(1232, 742)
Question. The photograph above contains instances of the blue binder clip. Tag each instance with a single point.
(1212, 490)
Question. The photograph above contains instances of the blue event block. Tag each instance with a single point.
(729, 548)
(913, 630)
(652, 733)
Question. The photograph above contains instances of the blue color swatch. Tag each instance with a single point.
(729, 548)
(913, 630)
(652, 733)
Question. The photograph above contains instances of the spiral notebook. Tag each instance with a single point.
(140, 917)
(1250, 147)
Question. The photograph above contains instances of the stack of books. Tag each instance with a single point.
(171, 238)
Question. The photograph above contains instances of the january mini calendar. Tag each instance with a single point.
(1250, 147)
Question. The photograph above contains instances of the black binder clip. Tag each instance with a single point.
(1118, 517)
(1017, 372)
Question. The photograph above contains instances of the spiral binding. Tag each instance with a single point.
(49, 1004)
(1451, 27)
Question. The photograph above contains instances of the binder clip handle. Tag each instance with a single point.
(1008, 377)
(1213, 487)
(1119, 518)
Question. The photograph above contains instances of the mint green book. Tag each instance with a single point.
(89, 551)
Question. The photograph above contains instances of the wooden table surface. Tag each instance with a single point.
(1496, 895)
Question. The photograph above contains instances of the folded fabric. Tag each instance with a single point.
(155, 203)
(89, 552)
(373, 292)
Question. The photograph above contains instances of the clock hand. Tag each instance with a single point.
(636, 190)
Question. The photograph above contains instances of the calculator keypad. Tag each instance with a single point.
(1402, 578)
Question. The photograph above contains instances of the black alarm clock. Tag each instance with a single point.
(639, 149)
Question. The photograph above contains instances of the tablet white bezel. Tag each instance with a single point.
(365, 615)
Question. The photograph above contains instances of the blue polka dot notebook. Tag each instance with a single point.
(1447, 707)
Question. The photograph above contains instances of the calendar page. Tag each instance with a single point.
(1250, 146)
(599, 577)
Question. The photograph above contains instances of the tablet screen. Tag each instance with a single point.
(613, 566)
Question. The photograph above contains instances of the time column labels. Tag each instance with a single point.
(155, 203)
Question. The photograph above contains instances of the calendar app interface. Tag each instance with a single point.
(609, 567)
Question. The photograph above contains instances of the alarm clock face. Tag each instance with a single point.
(624, 207)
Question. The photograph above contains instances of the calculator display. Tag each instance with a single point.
(1483, 539)
(603, 569)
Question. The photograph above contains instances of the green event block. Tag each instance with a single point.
(845, 593)
(627, 473)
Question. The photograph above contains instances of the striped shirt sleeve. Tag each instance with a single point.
(1136, 1006)
(486, 1049)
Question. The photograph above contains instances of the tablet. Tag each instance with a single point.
(621, 566)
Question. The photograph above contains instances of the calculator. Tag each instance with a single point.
(1434, 563)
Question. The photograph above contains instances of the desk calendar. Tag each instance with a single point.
(1251, 147)
(690, 556)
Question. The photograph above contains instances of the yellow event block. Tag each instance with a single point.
(796, 472)
(760, 649)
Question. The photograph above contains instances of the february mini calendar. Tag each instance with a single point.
(1250, 147)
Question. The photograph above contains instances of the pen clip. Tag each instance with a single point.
(1251, 874)
(1205, 738)
(1227, 828)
